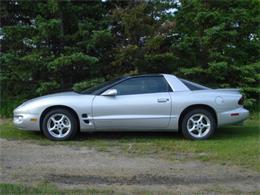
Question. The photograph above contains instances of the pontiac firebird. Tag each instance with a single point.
(158, 102)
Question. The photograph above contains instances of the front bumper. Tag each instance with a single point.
(26, 121)
(233, 116)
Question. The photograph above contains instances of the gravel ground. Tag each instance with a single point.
(78, 167)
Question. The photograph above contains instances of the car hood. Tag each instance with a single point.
(68, 93)
(48, 100)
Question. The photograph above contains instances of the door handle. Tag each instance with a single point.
(161, 100)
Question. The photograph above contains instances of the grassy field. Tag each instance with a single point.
(46, 189)
(237, 145)
(232, 145)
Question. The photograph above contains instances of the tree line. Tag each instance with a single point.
(51, 45)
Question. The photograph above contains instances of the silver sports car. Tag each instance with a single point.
(159, 102)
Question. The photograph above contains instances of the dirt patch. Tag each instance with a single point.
(148, 180)
(78, 167)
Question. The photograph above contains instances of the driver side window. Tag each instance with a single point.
(142, 85)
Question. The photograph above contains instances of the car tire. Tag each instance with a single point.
(59, 124)
(198, 124)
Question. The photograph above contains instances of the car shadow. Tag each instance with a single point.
(228, 132)
(223, 133)
(117, 135)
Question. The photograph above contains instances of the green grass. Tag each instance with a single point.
(238, 145)
(47, 189)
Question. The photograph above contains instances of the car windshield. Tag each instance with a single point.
(193, 86)
(101, 87)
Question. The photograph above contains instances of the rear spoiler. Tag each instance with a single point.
(229, 90)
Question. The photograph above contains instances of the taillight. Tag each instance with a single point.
(241, 100)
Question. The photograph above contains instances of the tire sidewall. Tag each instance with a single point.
(185, 131)
(74, 125)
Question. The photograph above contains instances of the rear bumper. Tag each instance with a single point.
(26, 121)
(233, 116)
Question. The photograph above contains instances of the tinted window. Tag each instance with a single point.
(142, 85)
(193, 86)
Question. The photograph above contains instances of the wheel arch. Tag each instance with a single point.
(197, 106)
(57, 107)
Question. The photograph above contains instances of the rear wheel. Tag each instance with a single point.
(198, 124)
(59, 124)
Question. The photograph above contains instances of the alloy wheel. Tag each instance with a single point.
(59, 125)
(198, 125)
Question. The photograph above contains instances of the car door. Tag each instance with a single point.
(140, 103)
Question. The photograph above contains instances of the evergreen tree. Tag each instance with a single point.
(50, 44)
(217, 42)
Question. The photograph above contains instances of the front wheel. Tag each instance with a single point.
(199, 124)
(59, 124)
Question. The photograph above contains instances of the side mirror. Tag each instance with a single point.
(110, 92)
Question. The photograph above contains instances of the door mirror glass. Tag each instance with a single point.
(110, 92)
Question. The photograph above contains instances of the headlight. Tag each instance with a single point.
(18, 118)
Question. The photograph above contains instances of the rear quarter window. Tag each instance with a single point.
(193, 86)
